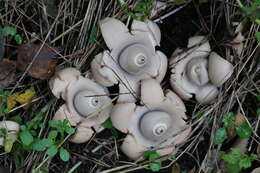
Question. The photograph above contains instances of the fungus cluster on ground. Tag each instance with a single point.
(137, 67)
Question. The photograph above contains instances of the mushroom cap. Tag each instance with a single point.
(189, 64)
(10, 126)
(61, 80)
(220, 69)
(86, 102)
(197, 71)
(81, 86)
(82, 134)
(158, 119)
(155, 124)
(132, 57)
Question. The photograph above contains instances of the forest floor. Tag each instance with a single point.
(70, 28)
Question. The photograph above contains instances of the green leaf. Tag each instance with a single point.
(9, 30)
(70, 130)
(220, 136)
(243, 131)
(37, 145)
(245, 163)
(147, 154)
(64, 154)
(52, 151)
(93, 35)
(47, 142)
(114, 132)
(54, 124)
(53, 134)
(235, 155)
(155, 167)
(229, 119)
(26, 137)
(107, 124)
(18, 38)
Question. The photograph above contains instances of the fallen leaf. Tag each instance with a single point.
(7, 72)
(11, 101)
(26, 97)
(44, 64)
(241, 144)
(239, 120)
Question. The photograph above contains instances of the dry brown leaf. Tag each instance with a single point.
(44, 64)
(241, 144)
(239, 120)
(11, 101)
(7, 72)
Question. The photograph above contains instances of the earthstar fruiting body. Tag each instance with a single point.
(156, 123)
(198, 72)
(87, 103)
(132, 56)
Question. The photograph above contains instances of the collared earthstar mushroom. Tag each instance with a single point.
(11, 130)
(87, 103)
(158, 123)
(198, 72)
(132, 57)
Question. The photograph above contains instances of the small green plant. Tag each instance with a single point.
(108, 125)
(156, 163)
(12, 31)
(52, 144)
(140, 11)
(237, 161)
(3, 99)
(251, 12)
(243, 131)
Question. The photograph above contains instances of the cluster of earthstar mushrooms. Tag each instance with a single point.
(151, 117)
